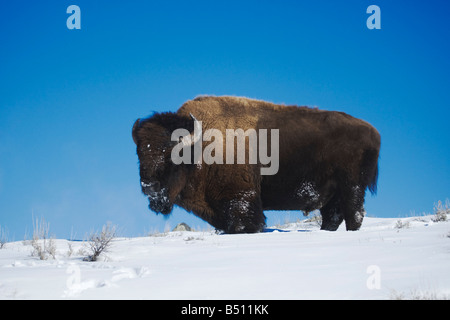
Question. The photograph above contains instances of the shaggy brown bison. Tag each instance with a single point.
(327, 160)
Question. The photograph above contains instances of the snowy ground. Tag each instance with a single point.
(295, 262)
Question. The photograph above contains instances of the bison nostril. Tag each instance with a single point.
(150, 187)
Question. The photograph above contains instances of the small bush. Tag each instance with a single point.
(3, 237)
(43, 245)
(441, 211)
(402, 224)
(315, 218)
(416, 294)
(100, 242)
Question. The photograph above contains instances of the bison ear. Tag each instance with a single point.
(133, 132)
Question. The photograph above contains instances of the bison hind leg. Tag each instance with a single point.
(346, 205)
(354, 208)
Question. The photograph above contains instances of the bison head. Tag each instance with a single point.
(161, 180)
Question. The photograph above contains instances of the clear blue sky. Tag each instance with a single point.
(68, 98)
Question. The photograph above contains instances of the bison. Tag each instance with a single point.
(327, 161)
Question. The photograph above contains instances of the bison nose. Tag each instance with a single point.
(150, 187)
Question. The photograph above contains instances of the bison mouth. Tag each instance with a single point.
(159, 202)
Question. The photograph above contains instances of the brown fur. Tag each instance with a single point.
(327, 161)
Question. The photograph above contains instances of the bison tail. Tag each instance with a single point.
(373, 185)
(370, 170)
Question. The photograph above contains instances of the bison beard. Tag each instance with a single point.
(327, 160)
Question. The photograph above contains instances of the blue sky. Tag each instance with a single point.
(68, 98)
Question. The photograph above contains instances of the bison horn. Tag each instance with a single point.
(197, 129)
(196, 136)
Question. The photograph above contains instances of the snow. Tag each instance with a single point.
(307, 190)
(296, 261)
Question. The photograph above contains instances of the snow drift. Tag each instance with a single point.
(387, 259)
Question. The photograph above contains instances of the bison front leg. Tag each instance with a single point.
(244, 214)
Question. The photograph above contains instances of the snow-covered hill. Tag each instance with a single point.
(297, 261)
